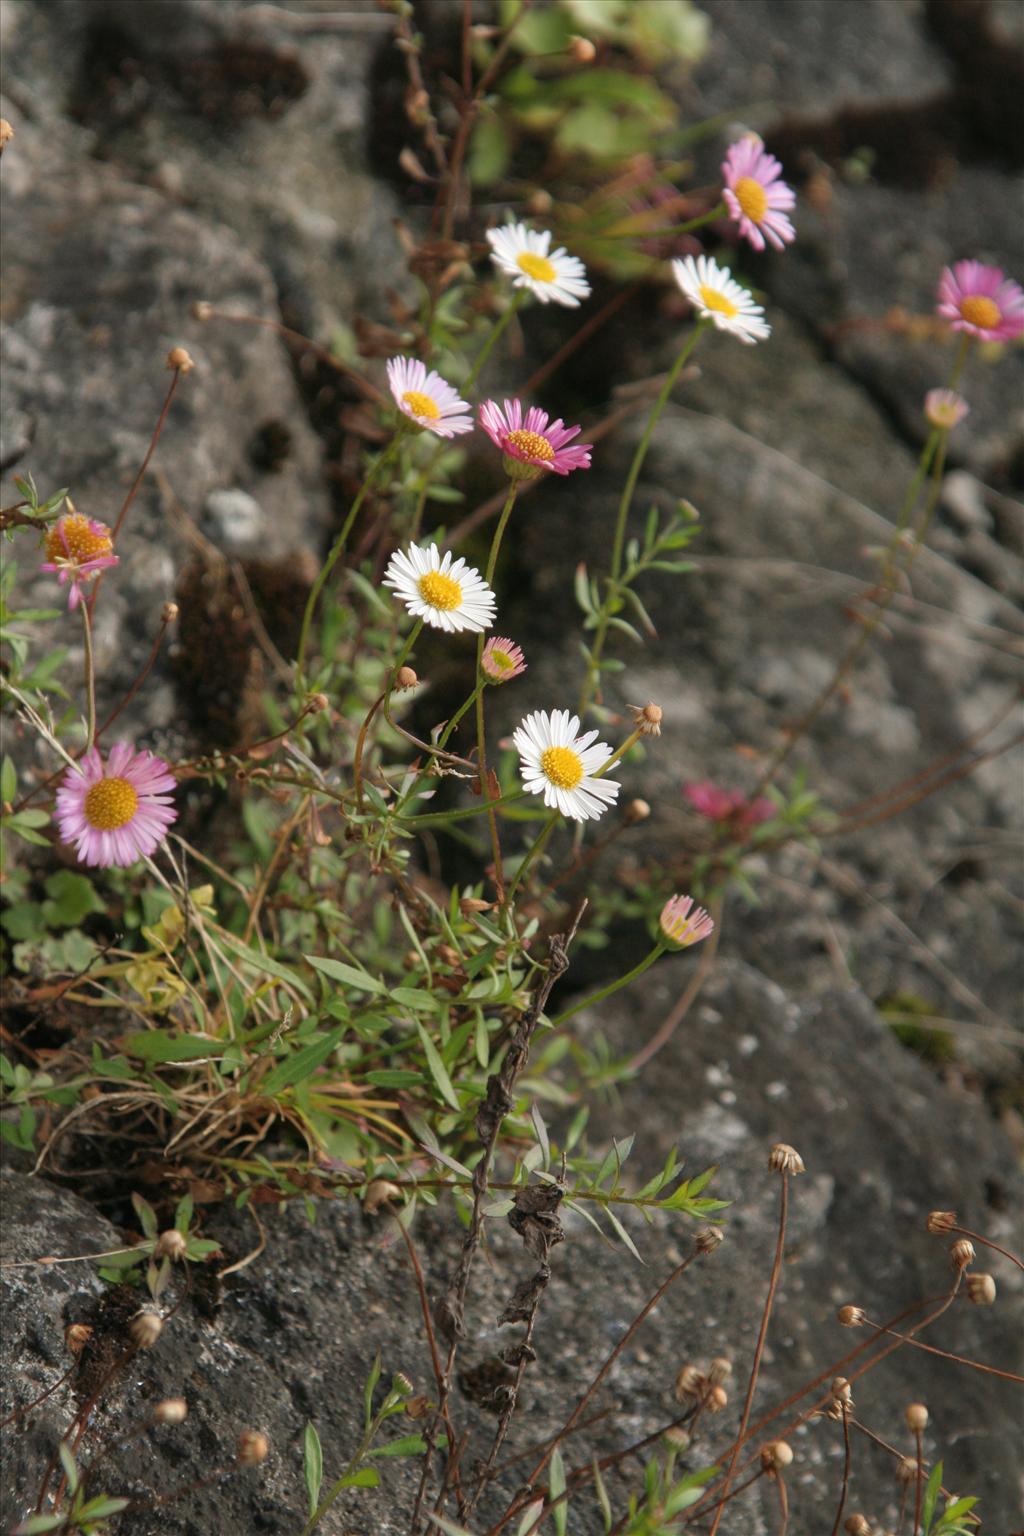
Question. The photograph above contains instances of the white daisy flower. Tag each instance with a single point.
(426, 399)
(447, 593)
(716, 295)
(524, 254)
(559, 764)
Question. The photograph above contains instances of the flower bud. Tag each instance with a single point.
(776, 1456)
(981, 1289)
(961, 1253)
(179, 361)
(173, 1410)
(907, 1469)
(916, 1415)
(784, 1159)
(857, 1525)
(170, 1245)
(719, 1370)
(378, 1193)
(940, 1221)
(317, 703)
(401, 1384)
(201, 310)
(6, 134)
(76, 1337)
(405, 677)
(582, 50)
(635, 811)
(707, 1239)
(253, 1447)
(470, 905)
(841, 1391)
(716, 1399)
(145, 1328)
(168, 613)
(540, 202)
(677, 1439)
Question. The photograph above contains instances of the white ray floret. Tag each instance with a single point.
(560, 764)
(525, 255)
(717, 296)
(446, 593)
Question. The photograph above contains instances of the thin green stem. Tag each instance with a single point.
(465, 814)
(90, 677)
(453, 722)
(357, 758)
(532, 854)
(719, 211)
(613, 986)
(481, 732)
(497, 331)
(626, 501)
(337, 549)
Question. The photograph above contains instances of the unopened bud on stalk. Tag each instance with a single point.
(961, 1253)
(76, 1337)
(635, 811)
(852, 1317)
(179, 361)
(719, 1370)
(690, 1382)
(6, 134)
(145, 1328)
(716, 1399)
(777, 1456)
(378, 1193)
(201, 310)
(169, 612)
(857, 1525)
(841, 1391)
(916, 1415)
(582, 50)
(405, 678)
(401, 1384)
(540, 202)
(170, 1245)
(941, 1221)
(907, 1469)
(470, 905)
(981, 1289)
(677, 1439)
(317, 703)
(707, 1239)
(253, 1447)
(785, 1159)
(173, 1410)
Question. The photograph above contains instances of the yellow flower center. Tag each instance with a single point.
(531, 444)
(440, 591)
(712, 299)
(561, 766)
(537, 267)
(421, 405)
(752, 198)
(980, 311)
(110, 804)
(73, 539)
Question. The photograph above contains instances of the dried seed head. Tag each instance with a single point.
(418, 1407)
(169, 612)
(941, 1221)
(647, 718)
(677, 1438)
(691, 1382)
(635, 811)
(784, 1159)
(145, 1328)
(317, 703)
(448, 955)
(961, 1253)
(777, 1456)
(173, 1410)
(856, 1525)
(201, 310)
(76, 1337)
(470, 905)
(179, 361)
(716, 1399)
(405, 678)
(981, 1289)
(171, 1244)
(851, 1317)
(707, 1239)
(253, 1447)
(916, 1415)
(378, 1192)
(907, 1469)
(582, 50)
(719, 1370)
(841, 1391)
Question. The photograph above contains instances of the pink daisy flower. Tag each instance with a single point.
(981, 301)
(426, 399)
(77, 548)
(945, 409)
(757, 198)
(502, 660)
(727, 805)
(531, 443)
(117, 813)
(683, 924)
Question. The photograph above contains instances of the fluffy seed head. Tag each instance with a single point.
(940, 1221)
(852, 1317)
(785, 1159)
(173, 1410)
(76, 1337)
(145, 1328)
(777, 1456)
(981, 1289)
(253, 1447)
(170, 1245)
(961, 1253)
(719, 1370)
(916, 1415)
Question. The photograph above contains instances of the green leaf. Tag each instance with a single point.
(101, 1507)
(369, 1389)
(69, 1464)
(437, 1069)
(557, 1487)
(301, 1064)
(70, 897)
(365, 1477)
(416, 998)
(35, 1525)
(385, 1078)
(623, 1234)
(8, 781)
(312, 1465)
(931, 1494)
(408, 1445)
(263, 963)
(337, 970)
(155, 1046)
